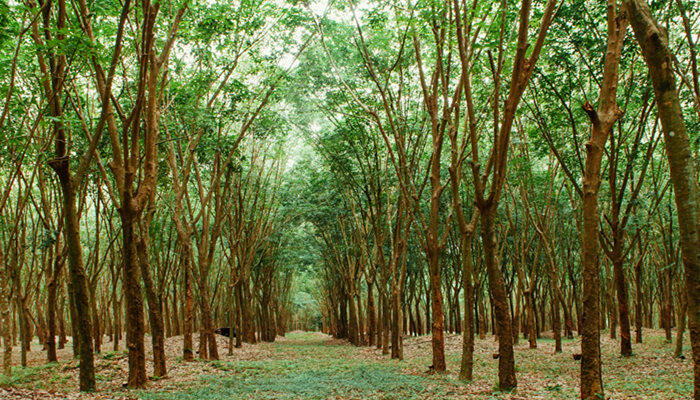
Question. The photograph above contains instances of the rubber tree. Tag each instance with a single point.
(653, 40)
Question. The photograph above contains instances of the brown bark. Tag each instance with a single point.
(466, 370)
(53, 86)
(622, 300)
(6, 315)
(654, 43)
(638, 315)
(602, 121)
(188, 306)
(556, 323)
(506, 359)
(52, 303)
(155, 305)
(247, 314)
(488, 202)
(135, 329)
(371, 315)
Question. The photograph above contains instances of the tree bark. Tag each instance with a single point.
(6, 315)
(466, 370)
(155, 307)
(506, 360)
(371, 315)
(602, 121)
(622, 300)
(134, 300)
(52, 303)
(654, 43)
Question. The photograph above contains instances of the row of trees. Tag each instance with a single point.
(477, 183)
(473, 166)
(140, 167)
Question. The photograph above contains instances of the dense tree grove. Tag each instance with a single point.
(373, 170)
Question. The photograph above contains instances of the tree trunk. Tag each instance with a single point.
(188, 306)
(437, 326)
(591, 374)
(6, 315)
(96, 335)
(556, 323)
(155, 307)
(622, 301)
(371, 315)
(247, 315)
(52, 302)
(466, 369)
(506, 360)
(353, 336)
(386, 328)
(638, 315)
(658, 57)
(116, 311)
(602, 121)
(78, 280)
(134, 300)
(396, 328)
(61, 326)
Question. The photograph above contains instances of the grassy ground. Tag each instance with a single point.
(314, 366)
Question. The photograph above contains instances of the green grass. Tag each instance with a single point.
(307, 369)
(311, 366)
(303, 382)
(27, 375)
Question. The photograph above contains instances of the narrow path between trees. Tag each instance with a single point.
(311, 365)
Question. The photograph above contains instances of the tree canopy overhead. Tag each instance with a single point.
(172, 172)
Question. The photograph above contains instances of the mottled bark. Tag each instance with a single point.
(602, 121)
(659, 59)
(506, 360)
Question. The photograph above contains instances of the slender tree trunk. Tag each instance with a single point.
(386, 329)
(556, 323)
(116, 311)
(78, 280)
(658, 57)
(239, 317)
(667, 308)
(380, 320)
(622, 302)
(506, 361)
(396, 328)
(602, 121)
(247, 314)
(531, 318)
(188, 306)
(175, 311)
(96, 335)
(231, 314)
(466, 369)
(591, 373)
(52, 302)
(207, 342)
(134, 301)
(61, 325)
(437, 326)
(638, 315)
(371, 315)
(155, 308)
(353, 336)
(6, 315)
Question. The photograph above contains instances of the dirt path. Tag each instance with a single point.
(311, 365)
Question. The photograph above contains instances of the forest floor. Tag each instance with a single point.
(305, 365)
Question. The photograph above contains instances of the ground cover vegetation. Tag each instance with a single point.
(341, 199)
